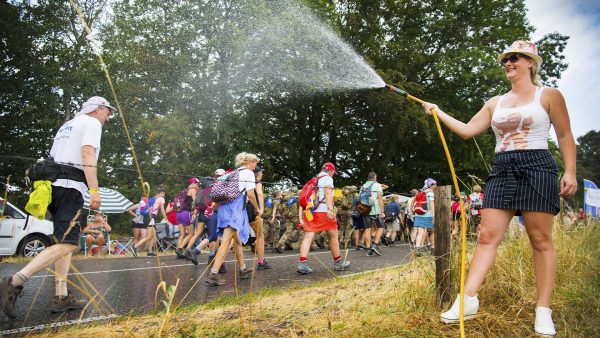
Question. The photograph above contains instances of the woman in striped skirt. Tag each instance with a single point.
(524, 179)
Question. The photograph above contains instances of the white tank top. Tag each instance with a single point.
(524, 127)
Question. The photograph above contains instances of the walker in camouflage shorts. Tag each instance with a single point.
(290, 214)
(344, 214)
(272, 224)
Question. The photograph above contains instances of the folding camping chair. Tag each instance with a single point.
(121, 246)
(164, 238)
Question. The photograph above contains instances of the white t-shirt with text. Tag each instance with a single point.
(82, 130)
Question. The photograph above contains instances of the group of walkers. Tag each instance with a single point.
(523, 181)
(339, 218)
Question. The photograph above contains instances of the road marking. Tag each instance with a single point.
(58, 324)
(170, 266)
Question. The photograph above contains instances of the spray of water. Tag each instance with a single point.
(288, 47)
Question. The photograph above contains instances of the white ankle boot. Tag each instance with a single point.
(543, 322)
(453, 315)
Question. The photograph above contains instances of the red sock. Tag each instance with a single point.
(303, 259)
(260, 261)
(337, 258)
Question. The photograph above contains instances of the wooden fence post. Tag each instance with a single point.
(442, 231)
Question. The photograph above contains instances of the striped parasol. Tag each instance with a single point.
(112, 201)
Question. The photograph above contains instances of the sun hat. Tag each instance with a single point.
(329, 166)
(522, 47)
(93, 103)
(219, 172)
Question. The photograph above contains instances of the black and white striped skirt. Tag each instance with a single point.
(523, 180)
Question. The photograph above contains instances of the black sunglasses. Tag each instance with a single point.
(513, 58)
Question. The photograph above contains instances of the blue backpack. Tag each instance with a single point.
(364, 196)
(145, 211)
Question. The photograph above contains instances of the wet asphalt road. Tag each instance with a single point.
(128, 285)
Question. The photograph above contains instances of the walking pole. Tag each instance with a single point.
(463, 249)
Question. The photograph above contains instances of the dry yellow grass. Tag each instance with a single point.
(396, 302)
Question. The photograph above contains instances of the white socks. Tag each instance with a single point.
(60, 288)
(543, 322)
(19, 279)
(453, 315)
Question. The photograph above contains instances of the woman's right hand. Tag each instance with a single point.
(429, 106)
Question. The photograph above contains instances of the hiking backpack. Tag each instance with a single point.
(179, 200)
(145, 210)
(203, 198)
(421, 206)
(364, 196)
(226, 188)
(309, 190)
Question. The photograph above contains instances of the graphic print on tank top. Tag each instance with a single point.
(513, 129)
(521, 128)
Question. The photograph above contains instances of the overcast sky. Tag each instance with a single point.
(580, 83)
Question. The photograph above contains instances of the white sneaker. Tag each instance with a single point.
(453, 315)
(543, 322)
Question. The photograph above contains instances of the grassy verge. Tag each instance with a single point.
(395, 302)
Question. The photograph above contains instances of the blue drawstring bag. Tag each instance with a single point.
(269, 202)
(291, 201)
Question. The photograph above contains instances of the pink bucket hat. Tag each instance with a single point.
(522, 47)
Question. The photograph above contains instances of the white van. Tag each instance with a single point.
(21, 233)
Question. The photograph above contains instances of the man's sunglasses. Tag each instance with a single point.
(513, 58)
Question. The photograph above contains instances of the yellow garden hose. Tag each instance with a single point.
(463, 231)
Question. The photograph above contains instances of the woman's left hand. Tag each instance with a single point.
(568, 185)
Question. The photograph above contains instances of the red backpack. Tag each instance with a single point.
(310, 190)
(421, 206)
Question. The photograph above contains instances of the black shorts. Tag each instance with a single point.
(138, 225)
(250, 212)
(148, 219)
(201, 218)
(371, 221)
(66, 203)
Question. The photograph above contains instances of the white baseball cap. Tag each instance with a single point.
(219, 172)
(93, 103)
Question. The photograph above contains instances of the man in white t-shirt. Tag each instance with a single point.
(77, 143)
